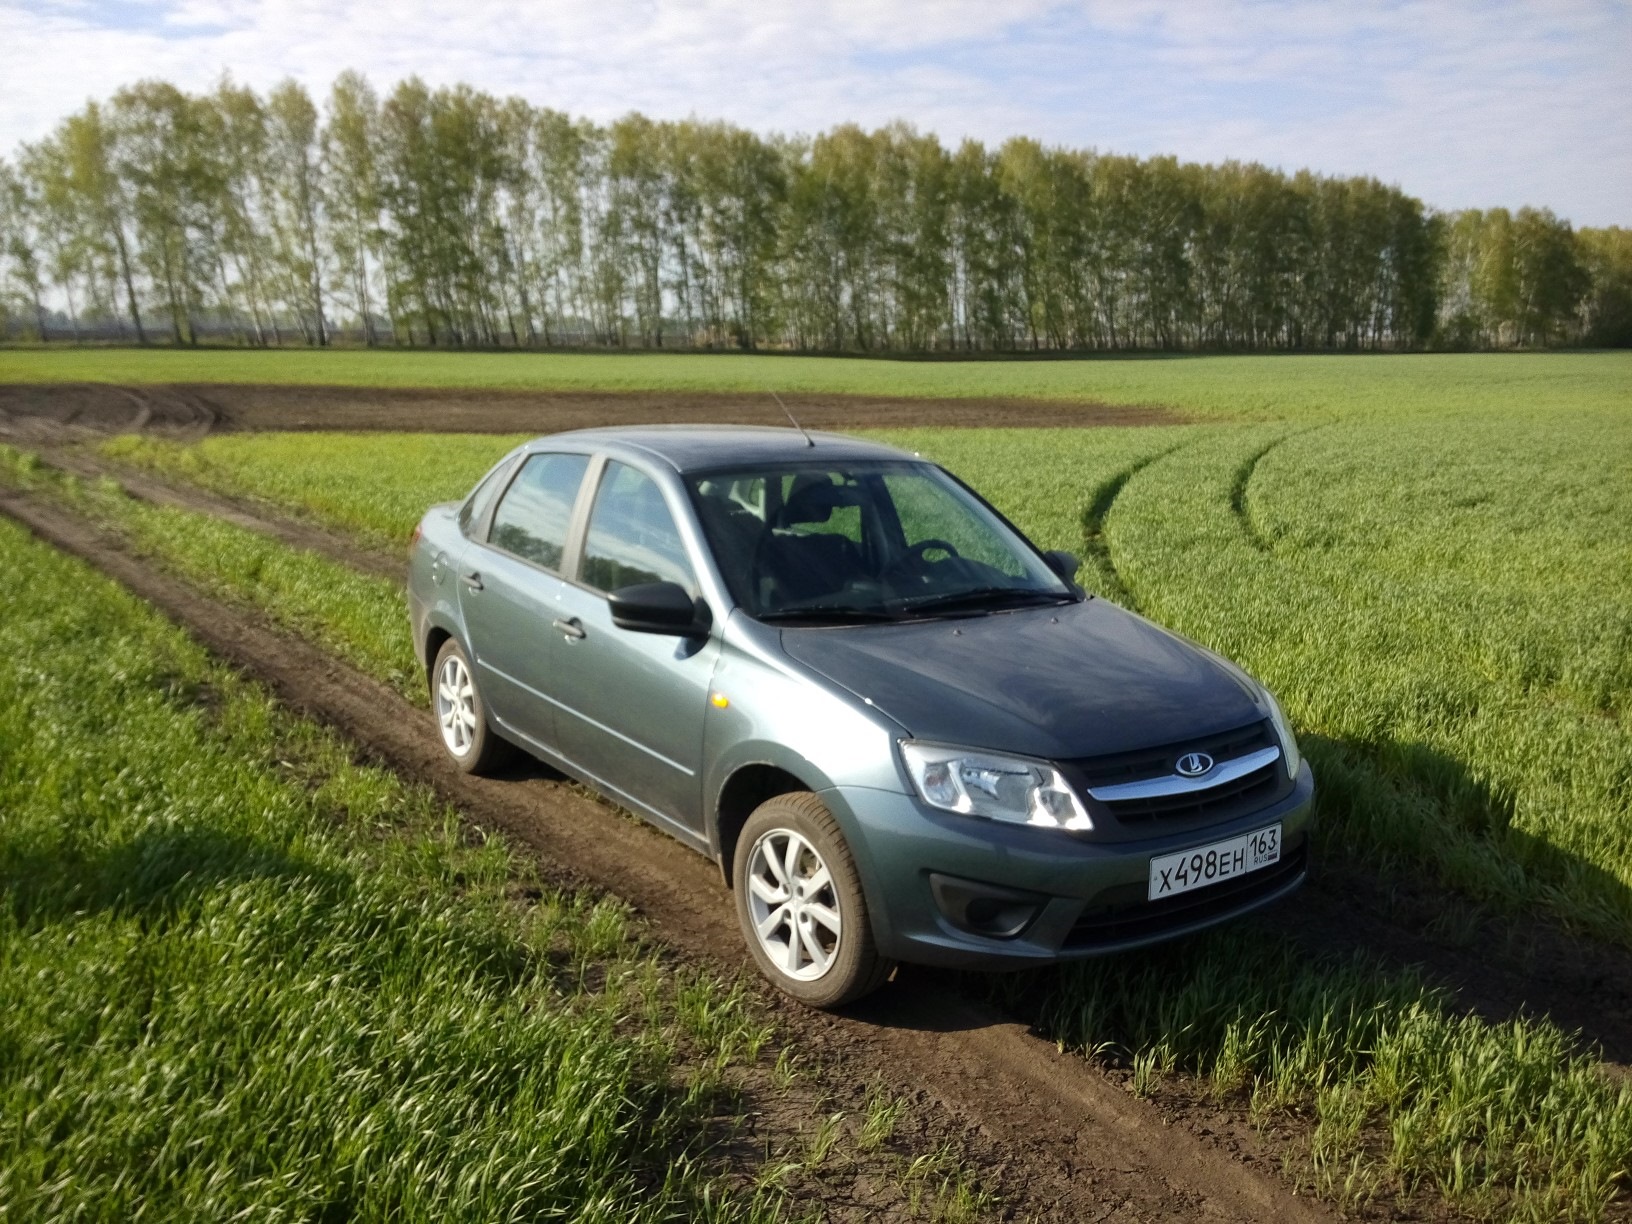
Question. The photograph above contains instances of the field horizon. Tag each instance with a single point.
(1239, 386)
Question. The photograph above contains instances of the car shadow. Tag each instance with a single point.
(1408, 844)
(929, 1000)
(1419, 862)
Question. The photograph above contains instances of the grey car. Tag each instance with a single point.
(903, 732)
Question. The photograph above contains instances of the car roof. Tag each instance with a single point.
(691, 448)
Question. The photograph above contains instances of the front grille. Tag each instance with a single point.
(1254, 790)
(1124, 914)
(1157, 762)
(1195, 808)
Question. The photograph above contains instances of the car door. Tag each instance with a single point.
(509, 592)
(633, 703)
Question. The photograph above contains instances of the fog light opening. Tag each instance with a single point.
(985, 909)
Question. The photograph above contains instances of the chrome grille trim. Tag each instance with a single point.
(1176, 784)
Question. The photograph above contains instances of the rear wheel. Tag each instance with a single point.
(800, 904)
(461, 716)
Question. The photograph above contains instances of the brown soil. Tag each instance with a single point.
(194, 409)
(1048, 1132)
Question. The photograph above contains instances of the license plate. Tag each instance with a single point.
(1172, 874)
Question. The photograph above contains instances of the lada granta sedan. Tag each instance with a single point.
(902, 732)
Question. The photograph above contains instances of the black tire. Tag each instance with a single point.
(855, 967)
(484, 750)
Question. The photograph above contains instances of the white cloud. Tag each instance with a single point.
(1463, 103)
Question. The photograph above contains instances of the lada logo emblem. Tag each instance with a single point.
(1193, 764)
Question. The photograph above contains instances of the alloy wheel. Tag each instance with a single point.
(793, 905)
(456, 706)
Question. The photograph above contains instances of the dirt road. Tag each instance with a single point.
(190, 409)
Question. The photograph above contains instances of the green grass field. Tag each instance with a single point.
(1430, 559)
(247, 978)
(1409, 1095)
(1292, 387)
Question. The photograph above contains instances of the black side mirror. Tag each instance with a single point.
(1063, 563)
(659, 607)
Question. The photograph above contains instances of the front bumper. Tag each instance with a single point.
(1070, 898)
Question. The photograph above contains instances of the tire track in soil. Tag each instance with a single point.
(283, 528)
(1098, 509)
(189, 409)
(1050, 1133)
(1238, 495)
(1243, 478)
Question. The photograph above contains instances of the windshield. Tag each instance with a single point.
(864, 541)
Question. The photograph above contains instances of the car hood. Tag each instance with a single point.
(1076, 680)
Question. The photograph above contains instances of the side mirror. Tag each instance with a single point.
(659, 607)
(1063, 563)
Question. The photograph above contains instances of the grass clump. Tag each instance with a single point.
(228, 994)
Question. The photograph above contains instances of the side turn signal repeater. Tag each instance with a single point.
(719, 700)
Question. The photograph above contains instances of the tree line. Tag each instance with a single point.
(449, 217)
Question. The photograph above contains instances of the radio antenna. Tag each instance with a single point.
(809, 441)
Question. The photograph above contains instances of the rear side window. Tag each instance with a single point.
(632, 537)
(532, 520)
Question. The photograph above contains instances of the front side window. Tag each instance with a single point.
(532, 519)
(875, 540)
(632, 537)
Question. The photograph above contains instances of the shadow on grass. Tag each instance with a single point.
(162, 869)
(1419, 883)
(1418, 860)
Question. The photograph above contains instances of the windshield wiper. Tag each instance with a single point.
(983, 597)
(828, 612)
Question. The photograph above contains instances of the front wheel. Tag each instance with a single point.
(461, 715)
(800, 904)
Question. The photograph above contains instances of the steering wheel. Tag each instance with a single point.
(915, 552)
(911, 563)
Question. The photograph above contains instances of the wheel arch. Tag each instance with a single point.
(745, 789)
(438, 630)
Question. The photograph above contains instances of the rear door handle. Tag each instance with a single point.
(473, 580)
(573, 628)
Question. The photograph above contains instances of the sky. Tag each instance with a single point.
(1464, 104)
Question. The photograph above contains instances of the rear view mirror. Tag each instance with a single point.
(1063, 563)
(659, 607)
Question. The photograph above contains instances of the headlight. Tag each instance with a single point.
(1289, 742)
(1011, 789)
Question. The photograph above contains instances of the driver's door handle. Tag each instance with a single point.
(573, 628)
(472, 579)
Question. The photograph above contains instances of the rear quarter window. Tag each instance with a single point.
(476, 504)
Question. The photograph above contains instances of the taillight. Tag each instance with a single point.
(419, 530)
